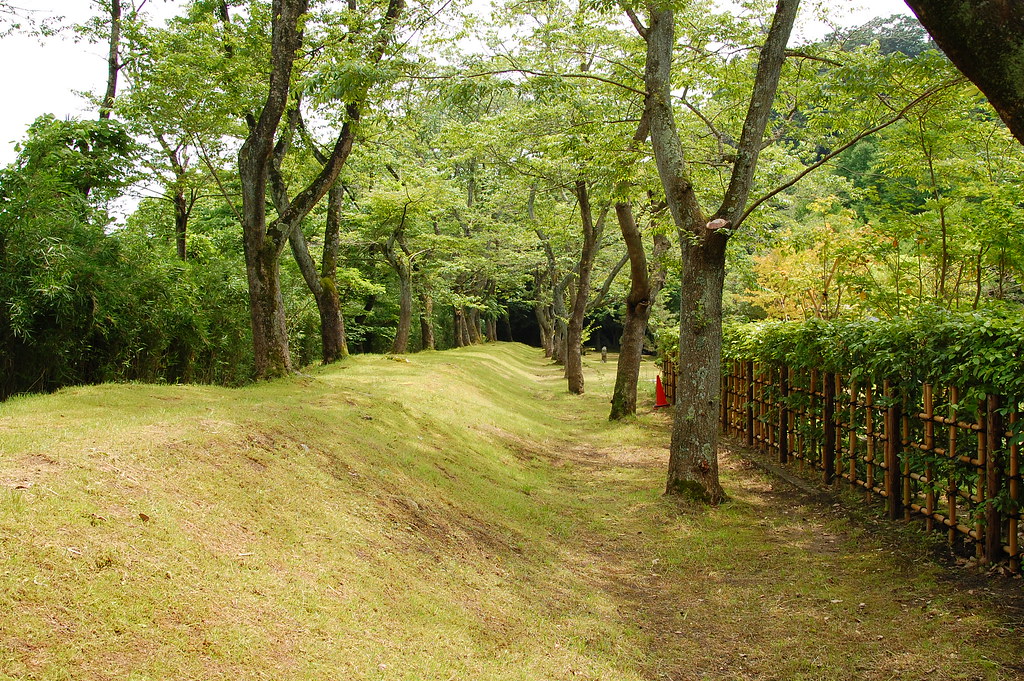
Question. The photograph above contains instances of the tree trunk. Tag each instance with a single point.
(693, 456)
(574, 328)
(427, 321)
(324, 285)
(467, 339)
(986, 42)
(643, 290)
(547, 329)
(332, 321)
(262, 248)
(473, 322)
(182, 205)
(181, 212)
(559, 331)
(113, 60)
(492, 330)
(332, 324)
(256, 169)
(266, 310)
(462, 338)
(542, 313)
(457, 326)
(401, 344)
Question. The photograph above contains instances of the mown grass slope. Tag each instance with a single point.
(454, 515)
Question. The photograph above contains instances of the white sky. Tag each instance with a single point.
(44, 77)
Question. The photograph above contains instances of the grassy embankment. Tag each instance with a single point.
(454, 517)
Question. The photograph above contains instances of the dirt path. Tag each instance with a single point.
(777, 585)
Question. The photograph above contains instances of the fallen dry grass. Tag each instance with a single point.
(457, 516)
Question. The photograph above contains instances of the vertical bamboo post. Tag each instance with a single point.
(993, 480)
(853, 432)
(814, 420)
(764, 378)
(723, 404)
(929, 449)
(749, 439)
(783, 426)
(758, 408)
(869, 432)
(905, 442)
(737, 397)
(828, 447)
(951, 490)
(790, 416)
(769, 411)
(1014, 472)
(980, 486)
(893, 440)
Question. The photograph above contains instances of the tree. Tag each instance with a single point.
(693, 458)
(645, 283)
(265, 241)
(985, 39)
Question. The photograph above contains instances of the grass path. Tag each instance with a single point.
(453, 516)
(774, 585)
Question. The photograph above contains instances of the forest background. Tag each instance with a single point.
(437, 180)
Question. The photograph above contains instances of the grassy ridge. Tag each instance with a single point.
(381, 519)
(453, 516)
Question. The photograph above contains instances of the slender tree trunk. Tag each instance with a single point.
(263, 247)
(545, 325)
(427, 321)
(182, 205)
(978, 271)
(473, 322)
(507, 325)
(560, 330)
(181, 212)
(401, 344)
(574, 328)
(643, 290)
(467, 340)
(542, 313)
(323, 285)
(332, 325)
(113, 60)
(332, 321)
(457, 326)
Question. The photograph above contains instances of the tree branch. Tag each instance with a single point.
(856, 138)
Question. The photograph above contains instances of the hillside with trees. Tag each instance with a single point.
(395, 178)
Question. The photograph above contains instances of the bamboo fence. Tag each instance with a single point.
(912, 447)
(668, 381)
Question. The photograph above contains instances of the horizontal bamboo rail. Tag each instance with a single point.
(912, 447)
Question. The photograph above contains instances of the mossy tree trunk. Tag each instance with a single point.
(985, 40)
(427, 341)
(645, 284)
(693, 456)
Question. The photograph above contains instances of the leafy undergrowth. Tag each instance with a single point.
(453, 516)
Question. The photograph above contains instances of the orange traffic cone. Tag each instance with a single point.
(659, 393)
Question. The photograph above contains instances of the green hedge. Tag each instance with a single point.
(980, 351)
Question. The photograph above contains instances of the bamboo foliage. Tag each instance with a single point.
(913, 447)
